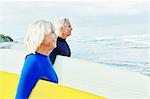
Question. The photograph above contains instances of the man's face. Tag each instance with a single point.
(68, 29)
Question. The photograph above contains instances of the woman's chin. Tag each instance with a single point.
(55, 46)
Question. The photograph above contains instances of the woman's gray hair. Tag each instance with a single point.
(36, 33)
(61, 23)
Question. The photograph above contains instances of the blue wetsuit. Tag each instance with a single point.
(36, 66)
(61, 49)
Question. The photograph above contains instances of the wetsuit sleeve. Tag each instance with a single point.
(28, 79)
(51, 74)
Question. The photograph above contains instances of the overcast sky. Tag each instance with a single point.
(102, 18)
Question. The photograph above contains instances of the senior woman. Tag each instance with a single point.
(40, 40)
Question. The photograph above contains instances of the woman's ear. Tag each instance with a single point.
(61, 29)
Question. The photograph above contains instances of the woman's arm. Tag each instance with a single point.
(28, 79)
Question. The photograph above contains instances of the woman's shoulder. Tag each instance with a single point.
(31, 58)
(30, 62)
(29, 55)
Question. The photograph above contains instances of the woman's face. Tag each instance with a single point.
(49, 41)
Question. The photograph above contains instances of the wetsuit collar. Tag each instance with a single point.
(41, 55)
(61, 39)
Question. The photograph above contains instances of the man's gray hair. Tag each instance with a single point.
(62, 23)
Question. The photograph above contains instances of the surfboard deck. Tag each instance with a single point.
(42, 90)
(98, 79)
(101, 79)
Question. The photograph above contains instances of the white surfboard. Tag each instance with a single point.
(101, 80)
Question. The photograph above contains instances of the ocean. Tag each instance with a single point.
(126, 52)
(130, 52)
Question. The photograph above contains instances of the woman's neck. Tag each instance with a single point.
(44, 51)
